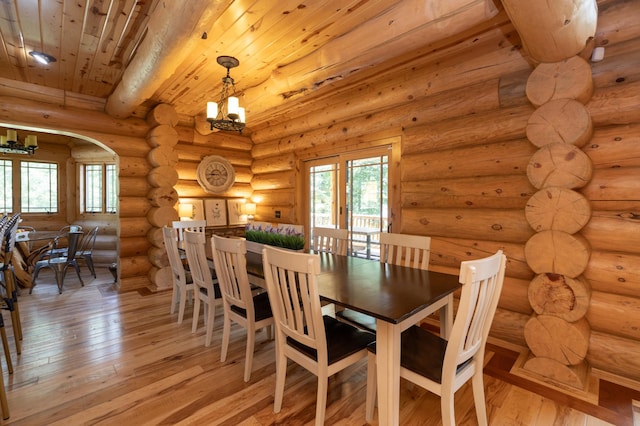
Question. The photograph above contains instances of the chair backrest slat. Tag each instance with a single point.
(194, 245)
(170, 237)
(405, 250)
(229, 258)
(330, 240)
(188, 225)
(293, 292)
(482, 282)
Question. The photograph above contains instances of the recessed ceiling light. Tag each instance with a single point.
(43, 58)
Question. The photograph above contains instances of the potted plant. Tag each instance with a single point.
(283, 236)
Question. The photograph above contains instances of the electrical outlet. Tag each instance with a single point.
(277, 214)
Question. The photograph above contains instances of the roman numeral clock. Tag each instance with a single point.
(215, 174)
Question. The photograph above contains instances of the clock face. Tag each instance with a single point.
(215, 174)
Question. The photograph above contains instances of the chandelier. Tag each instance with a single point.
(227, 113)
(9, 144)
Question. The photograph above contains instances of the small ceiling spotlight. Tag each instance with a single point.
(43, 58)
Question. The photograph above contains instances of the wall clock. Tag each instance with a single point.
(215, 174)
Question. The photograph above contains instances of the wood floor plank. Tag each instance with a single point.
(95, 356)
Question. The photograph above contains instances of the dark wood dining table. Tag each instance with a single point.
(396, 296)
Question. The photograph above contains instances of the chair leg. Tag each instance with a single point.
(88, 259)
(281, 375)
(478, 398)
(372, 388)
(446, 405)
(321, 400)
(174, 300)
(5, 345)
(4, 404)
(182, 295)
(211, 311)
(226, 331)
(196, 315)
(75, 265)
(248, 359)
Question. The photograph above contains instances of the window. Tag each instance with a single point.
(6, 186)
(39, 187)
(99, 183)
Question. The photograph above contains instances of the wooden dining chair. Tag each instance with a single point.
(320, 344)
(182, 288)
(251, 311)
(205, 290)
(398, 249)
(442, 366)
(188, 225)
(330, 240)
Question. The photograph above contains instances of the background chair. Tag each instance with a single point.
(441, 366)
(250, 311)
(205, 290)
(61, 263)
(399, 249)
(330, 240)
(188, 225)
(321, 344)
(182, 281)
(85, 251)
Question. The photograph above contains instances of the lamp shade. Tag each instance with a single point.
(185, 210)
(249, 209)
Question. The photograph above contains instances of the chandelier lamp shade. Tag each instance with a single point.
(9, 144)
(227, 113)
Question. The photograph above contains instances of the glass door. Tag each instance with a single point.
(351, 191)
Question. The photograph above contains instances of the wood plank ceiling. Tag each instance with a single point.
(153, 51)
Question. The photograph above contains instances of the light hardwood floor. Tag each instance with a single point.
(93, 356)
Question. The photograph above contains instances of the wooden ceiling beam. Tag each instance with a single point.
(175, 29)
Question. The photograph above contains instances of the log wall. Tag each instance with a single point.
(463, 169)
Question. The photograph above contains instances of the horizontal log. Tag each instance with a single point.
(615, 105)
(614, 231)
(158, 257)
(615, 355)
(502, 158)
(615, 314)
(268, 214)
(500, 192)
(615, 146)
(133, 186)
(275, 198)
(134, 206)
(60, 118)
(134, 266)
(91, 152)
(191, 189)
(451, 252)
(216, 140)
(621, 65)
(134, 227)
(133, 166)
(187, 170)
(127, 146)
(494, 126)
(514, 296)
(480, 224)
(196, 153)
(134, 283)
(615, 273)
(134, 246)
(614, 184)
(156, 237)
(440, 106)
(509, 326)
(277, 180)
(274, 164)
(554, 31)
